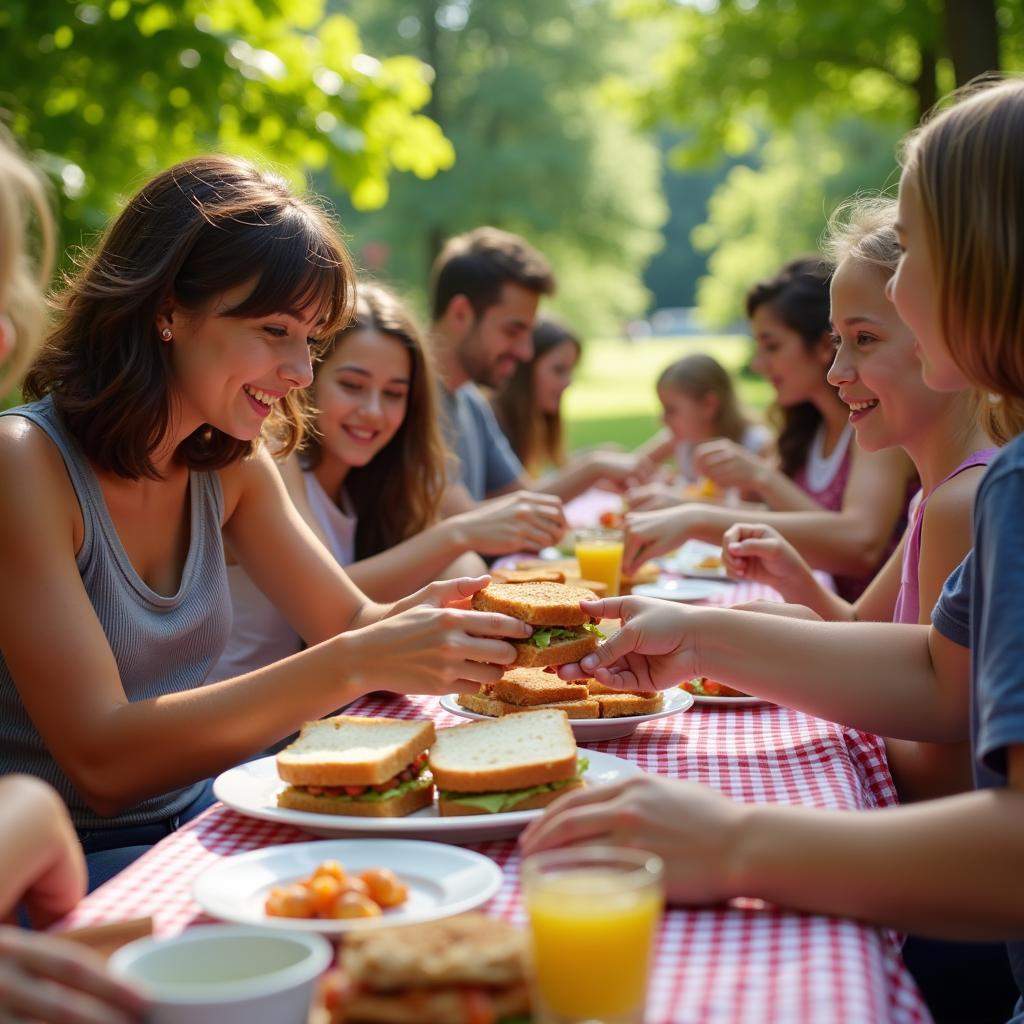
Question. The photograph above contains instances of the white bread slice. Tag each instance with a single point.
(622, 705)
(452, 808)
(561, 652)
(540, 604)
(484, 704)
(527, 576)
(396, 807)
(535, 686)
(350, 750)
(512, 752)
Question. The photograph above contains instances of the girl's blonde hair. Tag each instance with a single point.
(699, 375)
(967, 164)
(863, 228)
(23, 273)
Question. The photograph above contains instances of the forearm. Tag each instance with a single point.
(569, 481)
(121, 757)
(878, 677)
(397, 572)
(948, 868)
(806, 590)
(779, 492)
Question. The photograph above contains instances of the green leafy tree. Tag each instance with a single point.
(542, 147)
(107, 93)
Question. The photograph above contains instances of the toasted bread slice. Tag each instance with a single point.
(622, 705)
(594, 688)
(599, 588)
(527, 576)
(396, 807)
(484, 704)
(646, 573)
(511, 752)
(535, 686)
(437, 1005)
(540, 604)
(350, 750)
(561, 652)
(451, 808)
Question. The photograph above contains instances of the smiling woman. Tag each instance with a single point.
(180, 346)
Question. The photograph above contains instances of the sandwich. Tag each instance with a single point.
(515, 763)
(468, 969)
(562, 631)
(528, 576)
(526, 689)
(701, 686)
(624, 703)
(366, 767)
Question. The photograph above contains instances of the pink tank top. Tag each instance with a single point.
(908, 600)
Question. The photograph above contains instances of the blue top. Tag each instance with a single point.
(487, 463)
(980, 608)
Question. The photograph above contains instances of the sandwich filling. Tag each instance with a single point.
(495, 803)
(544, 636)
(416, 776)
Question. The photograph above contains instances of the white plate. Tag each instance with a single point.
(685, 561)
(252, 789)
(727, 702)
(442, 880)
(590, 730)
(669, 589)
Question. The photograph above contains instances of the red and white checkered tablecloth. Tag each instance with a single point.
(745, 962)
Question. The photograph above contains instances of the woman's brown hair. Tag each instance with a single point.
(23, 275)
(195, 231)
(536, 437)
(967, 164)
(699, 375)
(398, 493)
(799, 296)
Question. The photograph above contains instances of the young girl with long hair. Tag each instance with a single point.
(181, 341)
(368, 480)
(841, 507)
(948, 867)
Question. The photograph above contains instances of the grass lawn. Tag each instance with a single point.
(612, 397)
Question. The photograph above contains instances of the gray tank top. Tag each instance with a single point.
(162, 645)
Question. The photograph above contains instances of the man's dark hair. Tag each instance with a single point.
(477, 265)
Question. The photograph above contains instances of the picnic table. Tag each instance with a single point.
(746, 961)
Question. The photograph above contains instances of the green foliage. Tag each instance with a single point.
(542, 147)
(108, 93)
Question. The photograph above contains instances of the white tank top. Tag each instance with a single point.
(260, 635)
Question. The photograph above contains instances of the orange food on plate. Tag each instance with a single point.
(704, 687)
(331, 893)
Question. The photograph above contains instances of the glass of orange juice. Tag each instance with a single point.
(603, 903)
(599, 552)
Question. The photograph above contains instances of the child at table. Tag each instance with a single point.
(878, 374)
(180, 346)
(368, 480)
(843, 508)
(699, 405)
(948, 867)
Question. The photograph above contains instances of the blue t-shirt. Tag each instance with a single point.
(980, 607)
(487, 463)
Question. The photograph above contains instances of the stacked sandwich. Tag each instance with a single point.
(518, 763)
(367, 767)
(464, 970)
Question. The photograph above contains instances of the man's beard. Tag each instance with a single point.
(476, 366)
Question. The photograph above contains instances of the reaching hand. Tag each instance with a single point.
(653, 496)
(652, 651)
(523, 521)
(690, 826)
(623, 469)
(433, 650)
(649, 534)
(45, 978)
(753, 551)
(729, 464)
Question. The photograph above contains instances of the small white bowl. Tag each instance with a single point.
(225, 974)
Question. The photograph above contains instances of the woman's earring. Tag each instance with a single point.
(166, 334)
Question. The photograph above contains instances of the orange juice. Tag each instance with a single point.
(599, 553)
(610, 934)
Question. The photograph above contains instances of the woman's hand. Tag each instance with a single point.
(729, 464)
(649, 534)
(657, 494)
(654, 649)
(753, 551)
(691, 827)
(45, 978)
(523, 521)
(623, 469)
(427, 649)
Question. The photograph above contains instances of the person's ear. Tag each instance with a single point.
(165, 319)
(460, 313)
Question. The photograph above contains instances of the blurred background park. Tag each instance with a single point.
(664, 154)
